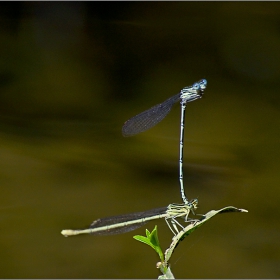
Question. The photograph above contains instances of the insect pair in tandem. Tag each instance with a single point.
(138, 124)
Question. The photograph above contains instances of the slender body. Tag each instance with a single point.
(128, 222)
(135, 125)
(181, 153)
(157, 113)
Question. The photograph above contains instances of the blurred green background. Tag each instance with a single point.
(71, 73)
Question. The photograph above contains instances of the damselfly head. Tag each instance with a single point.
(202, 84)
(193, 92)
(193, 203)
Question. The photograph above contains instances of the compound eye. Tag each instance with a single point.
(203, 81)
(196, 86)
(203, 84)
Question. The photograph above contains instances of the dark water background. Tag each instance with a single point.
(70, 75)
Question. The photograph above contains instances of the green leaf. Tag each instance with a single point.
(193, 226)
(152, 240)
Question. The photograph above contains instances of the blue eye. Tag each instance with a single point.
(196, 86)
(203, 84)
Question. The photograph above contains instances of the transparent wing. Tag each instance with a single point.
(149, 118)
(120, 221)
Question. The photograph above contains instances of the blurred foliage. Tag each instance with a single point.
(71, 73)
